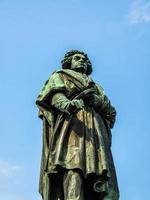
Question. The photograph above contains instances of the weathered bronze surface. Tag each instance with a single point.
(77, 116)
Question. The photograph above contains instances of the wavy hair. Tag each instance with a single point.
(66, 62)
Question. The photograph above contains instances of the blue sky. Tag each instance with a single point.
(34, 37)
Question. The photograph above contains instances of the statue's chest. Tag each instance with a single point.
(77, 83)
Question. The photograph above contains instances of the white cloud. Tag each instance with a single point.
(7, 168)
(139, 12)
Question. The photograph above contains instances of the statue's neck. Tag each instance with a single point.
(80, 70)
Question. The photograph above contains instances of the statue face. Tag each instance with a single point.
(79, 63)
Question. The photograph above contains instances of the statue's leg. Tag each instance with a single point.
(94, 188)
(56, 187)
(73, 185)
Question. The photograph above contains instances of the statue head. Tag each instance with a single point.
(78, 61)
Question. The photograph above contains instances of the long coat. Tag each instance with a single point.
(81, 140)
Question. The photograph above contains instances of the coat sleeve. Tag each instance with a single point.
(106, 109)
(53, 85)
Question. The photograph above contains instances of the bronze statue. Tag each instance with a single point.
(77, 116)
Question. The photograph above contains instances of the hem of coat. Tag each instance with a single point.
(59, 166)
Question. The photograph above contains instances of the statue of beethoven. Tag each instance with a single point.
(77, 116)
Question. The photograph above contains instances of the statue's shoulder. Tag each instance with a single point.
(58, 72)
(54, 82)
(53, 76)
(100, 89)
(64, 73)
(60, 75)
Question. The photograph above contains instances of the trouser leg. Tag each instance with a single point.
(56, 187)
(94, 188)
(73, 185)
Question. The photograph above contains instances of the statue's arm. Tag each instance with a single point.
(65, 105)
(106, 109)
(54, 84)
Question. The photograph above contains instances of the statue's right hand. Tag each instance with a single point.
(62, 103)
(71, 106)
(78, 103)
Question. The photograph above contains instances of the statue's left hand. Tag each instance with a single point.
(94, 100)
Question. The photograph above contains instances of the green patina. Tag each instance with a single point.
(77, 116)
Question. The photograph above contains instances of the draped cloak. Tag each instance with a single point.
(81, 140)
